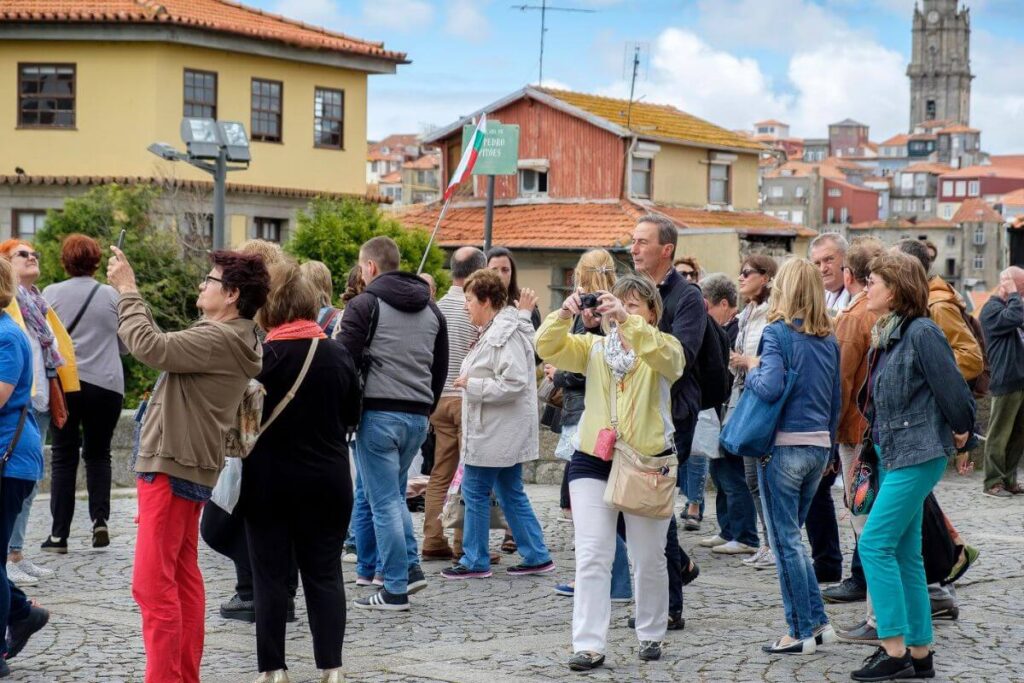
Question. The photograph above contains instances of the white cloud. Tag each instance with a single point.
(776, 25)
(399, 15)
(997, 94)
(466, 20)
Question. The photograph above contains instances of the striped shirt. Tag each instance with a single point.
(462, 334)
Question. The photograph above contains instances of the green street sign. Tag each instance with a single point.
(500, 152)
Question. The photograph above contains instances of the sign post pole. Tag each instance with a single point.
(489, 214)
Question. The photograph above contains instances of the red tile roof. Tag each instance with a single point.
(978, 299)
(1013, 160)
(802, 169)
(394, 178)
(987, 172)
(976, 210)
(958, 128)
(212, 15)
(932, 124)
(934, 168)
(426, 162)
(206, 186)
(904, 224)
(1015, 198)
(583, 225)
(896, 140)
(771, 122)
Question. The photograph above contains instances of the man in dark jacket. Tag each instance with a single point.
(401, 338)
(1002, 320)
(685, 317)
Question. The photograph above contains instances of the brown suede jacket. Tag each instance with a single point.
(944, 308)
(853, 332)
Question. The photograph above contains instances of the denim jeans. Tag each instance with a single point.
(788, 480)
(507, 484)
(21, 523)
(622, 584)
(696, 480)
(737, 520)
(386, 443)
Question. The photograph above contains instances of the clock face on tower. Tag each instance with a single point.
(933, 17)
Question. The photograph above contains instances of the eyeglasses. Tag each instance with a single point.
(27, 254)
(747, 272)
(688, 274)
(206, 280)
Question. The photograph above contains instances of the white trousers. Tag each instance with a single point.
(847, 454)
(594, 524)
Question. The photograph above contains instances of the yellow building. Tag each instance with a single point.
(88, 91)
(588, 167)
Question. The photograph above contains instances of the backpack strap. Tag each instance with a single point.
(74, 323)
(17, 435)
(283, 403)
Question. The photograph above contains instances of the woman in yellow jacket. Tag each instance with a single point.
(52, 355)
(643, 362)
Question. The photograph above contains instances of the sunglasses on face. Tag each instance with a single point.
(27, 254)
(688, 274)
(747, 272)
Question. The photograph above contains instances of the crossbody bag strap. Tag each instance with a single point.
(615, 402)
(283, 403)
(74, 323)
(17, 435)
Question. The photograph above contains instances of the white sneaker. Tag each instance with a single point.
(756, 557)
(18, 575)
(349, 558)
(767, 560)
(734, 548)
(712, 542)
(33, 569)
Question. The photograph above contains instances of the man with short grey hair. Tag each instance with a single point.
(828, 254)
(447, 418)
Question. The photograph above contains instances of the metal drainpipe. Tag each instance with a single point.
(628, 181)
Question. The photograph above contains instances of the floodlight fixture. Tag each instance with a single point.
(201, 137)
(165, 151)
(234, 140)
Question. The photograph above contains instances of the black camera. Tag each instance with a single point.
(588, 301)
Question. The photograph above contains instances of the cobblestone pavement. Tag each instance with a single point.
(506, 630)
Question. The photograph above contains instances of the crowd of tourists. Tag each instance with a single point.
(850, 365)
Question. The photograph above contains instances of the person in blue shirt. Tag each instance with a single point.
(22, 469)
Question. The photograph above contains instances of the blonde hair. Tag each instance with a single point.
(799, 294)
(319, 275)
(643, 289)
(270, 252)
(8, 286)
(595, 271)
(292, 296)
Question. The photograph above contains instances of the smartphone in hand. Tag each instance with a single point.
(120, 238)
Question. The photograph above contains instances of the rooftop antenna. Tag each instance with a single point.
(633, 62)
(543, 8)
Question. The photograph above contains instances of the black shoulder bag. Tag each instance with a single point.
(14, 441)
(74, 323)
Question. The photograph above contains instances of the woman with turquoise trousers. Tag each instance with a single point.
(921, 412)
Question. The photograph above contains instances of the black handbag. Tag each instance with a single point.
(937, 547)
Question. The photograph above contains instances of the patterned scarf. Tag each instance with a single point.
(619, 361)
(33, 310)
(881, 333)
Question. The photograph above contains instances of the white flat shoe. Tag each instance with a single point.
(333, 676)
(279, 676)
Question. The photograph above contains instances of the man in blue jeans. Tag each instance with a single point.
(399, 339)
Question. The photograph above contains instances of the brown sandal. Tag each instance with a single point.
(509, 545)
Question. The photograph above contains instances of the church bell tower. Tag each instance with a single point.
(940, 65)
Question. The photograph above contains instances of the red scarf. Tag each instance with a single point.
(296, 329)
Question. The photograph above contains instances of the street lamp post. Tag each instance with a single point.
(211, 145)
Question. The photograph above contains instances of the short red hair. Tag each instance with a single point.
(80, 255)
(8, 246)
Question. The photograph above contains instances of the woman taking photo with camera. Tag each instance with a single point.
(639, 363)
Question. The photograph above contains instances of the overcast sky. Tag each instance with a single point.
(807, 62)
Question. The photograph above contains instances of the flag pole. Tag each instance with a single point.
(437, 227)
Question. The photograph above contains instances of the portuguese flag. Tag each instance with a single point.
(469, 156)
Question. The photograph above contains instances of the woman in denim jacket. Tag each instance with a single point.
(789, 476)
(921, 412)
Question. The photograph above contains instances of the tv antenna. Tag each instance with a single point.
(543, 8)
(634, 62)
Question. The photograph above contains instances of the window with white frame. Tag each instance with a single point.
(961, 188)
(25, 223)
(533, 182)
(974, 188)
(947, 211)
(784, 215)
(798, 216)
(979, 234)
(270, 229)
(718, 183)
(907, 182)
(897, 205)
(947, 187)
(831, 215)
(911, 205)
(642, 170)
(979, 262)
(776, 191)
(799, 191)
(927, 205)
(844, 215)
(835, 192)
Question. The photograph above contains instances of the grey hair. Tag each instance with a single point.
(829, 237)
(643, 288)
(918, 250)
(471, 261)
(718, 286)
(668, 232)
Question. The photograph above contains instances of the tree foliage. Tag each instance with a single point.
(332, 230)
(167, 275)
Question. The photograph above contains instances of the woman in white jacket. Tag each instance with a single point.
(499, 430)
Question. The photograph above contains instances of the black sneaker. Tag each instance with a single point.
(238, 609)
(650, 650)
(52, 544)
(19, 632)
(585, 661)
(690, 573)
(924, 667)
(382, 600)
(100, 534)
(848, 590)
(881, 667)
(417, 581)
(459, 571)
(675, 622)
(527, 569)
